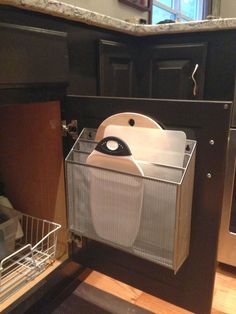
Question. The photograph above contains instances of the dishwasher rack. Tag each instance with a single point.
(33, 253)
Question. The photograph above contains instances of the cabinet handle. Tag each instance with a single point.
(194, 80)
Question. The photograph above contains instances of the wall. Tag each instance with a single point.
(112, 8)
(228, 8)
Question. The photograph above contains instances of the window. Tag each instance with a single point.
(178, 10)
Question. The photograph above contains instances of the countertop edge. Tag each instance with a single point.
(77, 14)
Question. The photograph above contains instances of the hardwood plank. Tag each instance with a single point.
(159, 306)
(101, 300)
(112, 286)
(99, 291)
(131, 294)
(217, 312)
(224, 300)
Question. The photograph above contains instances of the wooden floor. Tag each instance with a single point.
(225, 291)
(224, 294)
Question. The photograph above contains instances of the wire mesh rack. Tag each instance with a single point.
(33, 253)
(148, 216)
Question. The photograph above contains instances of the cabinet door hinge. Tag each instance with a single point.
(77, 240)
(70, 129)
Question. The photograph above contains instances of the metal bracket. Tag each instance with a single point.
(77, 240)
(70, 129)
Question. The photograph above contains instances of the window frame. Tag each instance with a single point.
(176, 9)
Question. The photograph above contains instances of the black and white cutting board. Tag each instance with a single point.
(115, 198)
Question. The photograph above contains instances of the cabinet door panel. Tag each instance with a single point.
(187, 287)
(121, 77)
(171, 79)
(116, 69)
(171, 69)
(31, 161)
(32, 56)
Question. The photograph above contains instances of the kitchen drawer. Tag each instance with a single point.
(31, 56)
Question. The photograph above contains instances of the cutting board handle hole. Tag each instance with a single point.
(131, 122)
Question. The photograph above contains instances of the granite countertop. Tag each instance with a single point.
(70, 12)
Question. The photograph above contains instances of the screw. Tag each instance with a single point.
(188, 148)
(208, 175)
(211, 142)
(131, 122)
(226, 106)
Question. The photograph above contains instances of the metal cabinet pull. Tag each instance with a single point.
(194, 80)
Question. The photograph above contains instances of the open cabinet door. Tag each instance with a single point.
(195, 279)
(32, 168)
(31, 159)
(32, 165)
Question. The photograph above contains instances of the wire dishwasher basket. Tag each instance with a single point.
(105, 205)
(33, 253)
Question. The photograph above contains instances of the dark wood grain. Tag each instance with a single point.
(29, 94)
(220, 60)
(195, 280)
(193, 286)
(83, 53)
(116, 69)
(171, 67)
(234, 109)
(82, 45)
(32, 55)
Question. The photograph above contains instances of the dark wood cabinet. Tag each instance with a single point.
(157, 66)
(116, 69)
(188, 286)
(172, 71)
(30, 56)
(177, 71)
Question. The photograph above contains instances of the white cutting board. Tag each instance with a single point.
(124, 119)
(152, 145)
(115, 199)
(122, 164)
